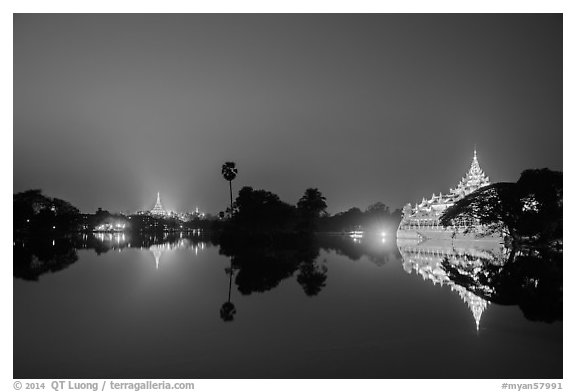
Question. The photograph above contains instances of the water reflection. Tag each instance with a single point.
(228, 310)
(487, 272)
(262, 265)
(348, 305)
(428, 259)
(481, 273)
(530, 279)
(34, 257)
(371, 245)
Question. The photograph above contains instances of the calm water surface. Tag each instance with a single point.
(109, 306)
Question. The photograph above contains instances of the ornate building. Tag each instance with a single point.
(158, 210)
(424, 216)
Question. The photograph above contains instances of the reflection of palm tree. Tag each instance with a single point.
(228, 310)
(229, 173)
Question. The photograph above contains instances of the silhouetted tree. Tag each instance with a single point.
(35, 212)
(312, 203)
(229, 172)
(311, 206)
(540, 194)
(529, 209)
(260, 211)
(495, 204)
(342, 221)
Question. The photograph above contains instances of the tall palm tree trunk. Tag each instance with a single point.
(230, 284)
(230, 198)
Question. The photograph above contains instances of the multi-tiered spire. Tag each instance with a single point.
(158, 209)
(473, 180)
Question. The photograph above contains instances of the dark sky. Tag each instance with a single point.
(110, 109)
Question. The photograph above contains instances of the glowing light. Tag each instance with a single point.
(356, 234)
(53, 227)
(383, 234)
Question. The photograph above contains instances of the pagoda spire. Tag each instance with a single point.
(474, 178)
(158, 209)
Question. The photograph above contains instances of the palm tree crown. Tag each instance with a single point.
(229, 171)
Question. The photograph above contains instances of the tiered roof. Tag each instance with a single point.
(473, 180)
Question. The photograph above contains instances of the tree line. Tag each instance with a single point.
(528, 212)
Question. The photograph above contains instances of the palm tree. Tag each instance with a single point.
(228, 310)
(229, 173)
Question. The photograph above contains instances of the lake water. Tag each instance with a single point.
(110, 306)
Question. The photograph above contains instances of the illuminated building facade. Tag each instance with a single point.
(422, 220)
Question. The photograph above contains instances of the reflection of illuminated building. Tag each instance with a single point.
(158, 245)
(159, 249)
(110, 227)
(112, 238)
(426, 259)
(422, 220)
(356, 235)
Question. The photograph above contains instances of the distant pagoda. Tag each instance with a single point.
(158, 210)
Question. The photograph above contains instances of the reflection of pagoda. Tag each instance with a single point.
(159, 249)
(476, 304)
(158, 209)
(426, 260)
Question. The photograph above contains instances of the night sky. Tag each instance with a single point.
(110, 109)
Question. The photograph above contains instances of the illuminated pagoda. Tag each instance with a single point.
(426, 214)
(158, 210)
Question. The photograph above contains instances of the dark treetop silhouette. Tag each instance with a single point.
(529, 211)
(229, 172)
